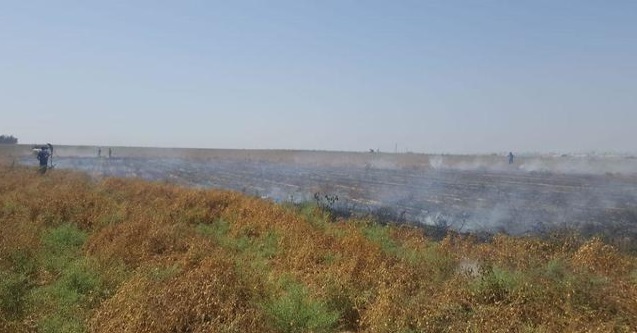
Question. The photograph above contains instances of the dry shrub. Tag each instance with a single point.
(76, 204)
(154, 220)
(356, 280)
(412, 288)
(138, 192)
(601, 258)
(607, 286)
(253, 217)
(19, 239)
(516, 252)
(138, 240)
(550, 286)
(210, 297)
(199, 206)
(55, 198)
(393, 308)
(168, 204)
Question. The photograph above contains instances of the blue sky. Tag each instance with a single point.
(427, 76)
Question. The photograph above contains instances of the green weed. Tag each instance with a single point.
(64, 238)
(57, 323)
(80, 277)
(555, 269)
(61, 246)
(267, 246)
(496, 284)
(22, 261)
(218, 229)
(13, 290)
(379, 234)
(295, 311)
(69, 298)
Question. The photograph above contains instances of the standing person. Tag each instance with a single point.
(510, 157)
(110, 152)
(50, 152)
(99, 152)
(43, 157)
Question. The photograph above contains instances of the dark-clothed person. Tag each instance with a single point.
(43, 157)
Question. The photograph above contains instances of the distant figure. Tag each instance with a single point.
(43, 157)
(110, 152)
(510, 157)
(50, 152)
(99, 152)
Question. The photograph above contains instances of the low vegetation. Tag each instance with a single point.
(124, 255)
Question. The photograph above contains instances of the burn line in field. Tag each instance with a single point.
(479, 194)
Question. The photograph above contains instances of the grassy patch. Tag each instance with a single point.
(63, 239)
(13, 290)
(80, 277)
(62, 245)
(22, 261)
(380, 235)
(267, 246)
(76, 285)
(217, 229)
(495, 284)
(57, 323)
(295, 311)
(69, 298)
(311, 212)
(555, 270)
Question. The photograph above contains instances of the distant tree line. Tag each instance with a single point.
(4, 139)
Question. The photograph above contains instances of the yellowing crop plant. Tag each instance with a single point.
(125, 255)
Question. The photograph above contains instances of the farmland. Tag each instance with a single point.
(81, 252)
(465, 193)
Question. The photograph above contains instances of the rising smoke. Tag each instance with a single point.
(466, 193)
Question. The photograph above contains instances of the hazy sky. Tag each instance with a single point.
(429, 76)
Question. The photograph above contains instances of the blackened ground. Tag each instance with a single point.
(467, 195)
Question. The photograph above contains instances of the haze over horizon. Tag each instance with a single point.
(425, 76)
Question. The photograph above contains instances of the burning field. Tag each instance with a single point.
(83, 252)
(535, 194)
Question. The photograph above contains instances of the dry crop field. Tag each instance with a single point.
(80, 253)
